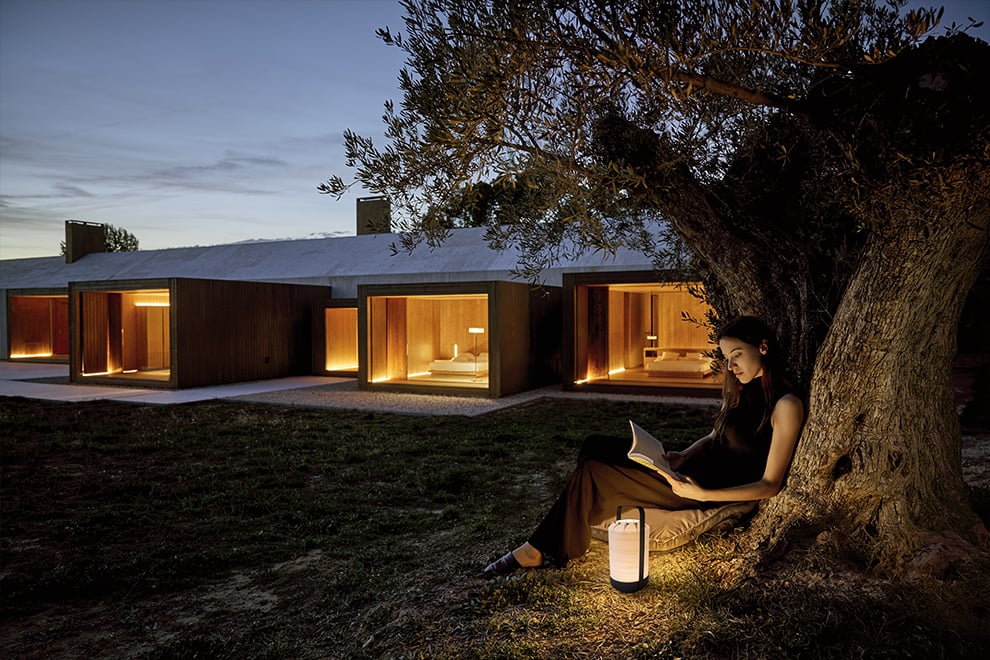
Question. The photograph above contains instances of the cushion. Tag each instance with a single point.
(670, 530)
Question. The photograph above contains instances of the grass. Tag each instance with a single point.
(224, 529)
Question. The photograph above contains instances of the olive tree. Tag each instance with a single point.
(824, 162)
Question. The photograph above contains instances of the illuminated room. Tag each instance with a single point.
(126, 334)
(639, 334)
(469, 338)
(38, 326)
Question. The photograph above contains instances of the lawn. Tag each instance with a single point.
(236, 530)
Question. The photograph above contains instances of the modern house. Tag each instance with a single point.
(450, 319)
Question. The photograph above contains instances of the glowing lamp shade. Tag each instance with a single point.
(476, 331)
(629, 552)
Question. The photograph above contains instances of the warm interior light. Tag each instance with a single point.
(651, 337)
(476, 331)
(152, 304)
(98, 373)
(14, 356)
(340, 367)
(616, 371)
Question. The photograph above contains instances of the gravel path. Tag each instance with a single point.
(346, 395)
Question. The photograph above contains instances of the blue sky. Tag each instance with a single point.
(193, 122)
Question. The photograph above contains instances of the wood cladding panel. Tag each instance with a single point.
(226, 331)
(512, 332)
(395, 338)
(597, 365)
(377, 340)
(673, 330)
(94, 333)
(616, 330)
(30, 323)
(340, 331)
(60, 325)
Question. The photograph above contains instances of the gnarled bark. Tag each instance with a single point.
(878, 462)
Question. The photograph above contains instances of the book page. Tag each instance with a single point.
(647, 450)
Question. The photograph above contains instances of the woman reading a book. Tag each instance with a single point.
(745, 457)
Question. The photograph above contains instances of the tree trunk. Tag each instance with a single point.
(878, 465)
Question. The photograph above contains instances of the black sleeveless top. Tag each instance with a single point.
(739, 455)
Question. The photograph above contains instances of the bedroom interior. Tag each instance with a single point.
(642, 333)
(429, 339)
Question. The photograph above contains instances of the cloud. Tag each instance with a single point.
(66, 190)
(214, 176)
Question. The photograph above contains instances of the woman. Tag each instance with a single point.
(745, 457)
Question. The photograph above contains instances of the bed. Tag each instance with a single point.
(464, 364)
(680, 363)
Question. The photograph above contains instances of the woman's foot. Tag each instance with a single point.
(525, 556)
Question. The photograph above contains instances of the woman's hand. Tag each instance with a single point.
(688, 489)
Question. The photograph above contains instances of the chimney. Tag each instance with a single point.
(373, 216)
(82, 238)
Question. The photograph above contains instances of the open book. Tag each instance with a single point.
(649, 451)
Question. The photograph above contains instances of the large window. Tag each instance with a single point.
(429, 340)
(644, 334)
(126, 334)
(39, 327)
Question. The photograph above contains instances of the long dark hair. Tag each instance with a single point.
(755, 332)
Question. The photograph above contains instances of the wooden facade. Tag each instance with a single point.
(38, 325)
(185, 332)
(470, 338)
(629, 331)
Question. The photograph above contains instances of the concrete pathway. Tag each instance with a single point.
(16, 377)
(304, 391)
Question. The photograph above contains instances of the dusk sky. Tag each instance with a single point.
(194, 122)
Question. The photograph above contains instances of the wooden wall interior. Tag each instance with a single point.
(341, 338)
(612, 323)
(406, 333)
(38, 326)
(672, 330)
(95, 333)
(125, 331)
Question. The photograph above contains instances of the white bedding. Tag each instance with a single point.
(680, 364)
(464, 363)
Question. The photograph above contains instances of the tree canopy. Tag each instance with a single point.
(703, 114)
(825, 162)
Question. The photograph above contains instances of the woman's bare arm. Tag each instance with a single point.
(786, 419)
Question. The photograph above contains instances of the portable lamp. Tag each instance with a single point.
(629, 552)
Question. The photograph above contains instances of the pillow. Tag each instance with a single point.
(667, 356)
(670, 530)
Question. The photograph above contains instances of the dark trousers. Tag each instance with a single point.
(604, 479)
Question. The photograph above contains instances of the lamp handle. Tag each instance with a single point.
(642, 532)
